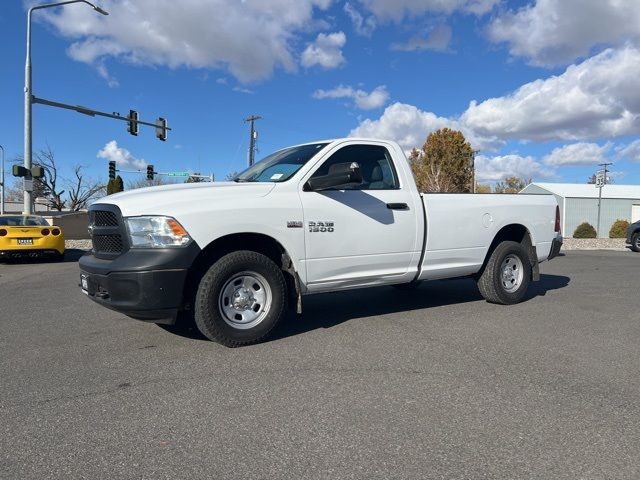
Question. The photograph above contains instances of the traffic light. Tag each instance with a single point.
(150, 172)
(161, 128)
(19, 171)
(37, 171)
(112, 170)
(132, 127)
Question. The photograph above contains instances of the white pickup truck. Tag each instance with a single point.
(317, 217)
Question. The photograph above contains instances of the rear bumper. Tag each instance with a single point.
(30, 252)
(144, 284)
(556, 245)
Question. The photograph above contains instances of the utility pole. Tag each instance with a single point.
(601, 183)
(252, 137)
(2, 182)
(473, 168)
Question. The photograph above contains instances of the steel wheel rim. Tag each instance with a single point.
(244, 300)
(637, 241)
(511, 273)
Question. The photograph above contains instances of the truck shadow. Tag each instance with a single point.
(331, 309)
(328, 310)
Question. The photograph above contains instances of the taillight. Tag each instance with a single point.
(557, 228)
(55, 231)
(3, 232)
(45, 232)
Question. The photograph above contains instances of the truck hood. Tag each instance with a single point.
(166, 199)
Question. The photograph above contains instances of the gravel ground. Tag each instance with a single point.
(594, 244)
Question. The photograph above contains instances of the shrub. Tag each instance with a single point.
(619, 229)
(584, 230)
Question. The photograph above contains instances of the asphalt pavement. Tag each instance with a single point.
(378, 383)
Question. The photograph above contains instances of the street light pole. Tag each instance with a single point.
(28, 94)
(2, 182)
(26, 209)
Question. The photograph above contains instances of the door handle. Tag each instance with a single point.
(397, 206)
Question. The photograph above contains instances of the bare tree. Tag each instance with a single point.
(14, 193)
(511, 184)
(48, 186)
(231, 175)
(143, 183)
(83, 190)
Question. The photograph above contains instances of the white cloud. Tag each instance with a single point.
(363, 100)
(438, 41)
(248, 38)
(596, 98)
(629, 152)
(409, 126)
(551, 32)
(325, 51)
(498, 168)
(396, 10)
(362, 25)
(578, 154)
(246, 91)
(121, 156)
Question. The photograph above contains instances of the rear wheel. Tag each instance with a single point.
(507, 275)
(635, 242)
(240, 299)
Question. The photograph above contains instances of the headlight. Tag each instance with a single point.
(156, 232)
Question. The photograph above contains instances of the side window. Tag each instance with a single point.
(378, 172)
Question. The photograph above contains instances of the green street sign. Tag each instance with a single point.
(178, 174)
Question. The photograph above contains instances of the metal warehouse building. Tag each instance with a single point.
(579, 203)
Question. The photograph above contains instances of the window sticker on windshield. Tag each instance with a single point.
(276, 176)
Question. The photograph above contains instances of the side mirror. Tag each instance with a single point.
(339, 174)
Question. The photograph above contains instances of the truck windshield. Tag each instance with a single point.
(281, 165)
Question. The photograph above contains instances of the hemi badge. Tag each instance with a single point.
(294, 224)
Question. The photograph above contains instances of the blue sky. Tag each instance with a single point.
(544, 89)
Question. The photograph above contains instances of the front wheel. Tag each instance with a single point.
(240, 299)
(507, 275)
(635, 242)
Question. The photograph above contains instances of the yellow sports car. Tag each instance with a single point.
(29, 235)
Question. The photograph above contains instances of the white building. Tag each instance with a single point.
(579, 203)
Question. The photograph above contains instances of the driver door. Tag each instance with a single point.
(362, 234)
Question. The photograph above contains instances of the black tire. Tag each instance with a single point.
(208, 309)
(491, 283)
(635, 242)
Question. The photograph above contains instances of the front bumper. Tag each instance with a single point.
(556, 245)
(146, 284)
